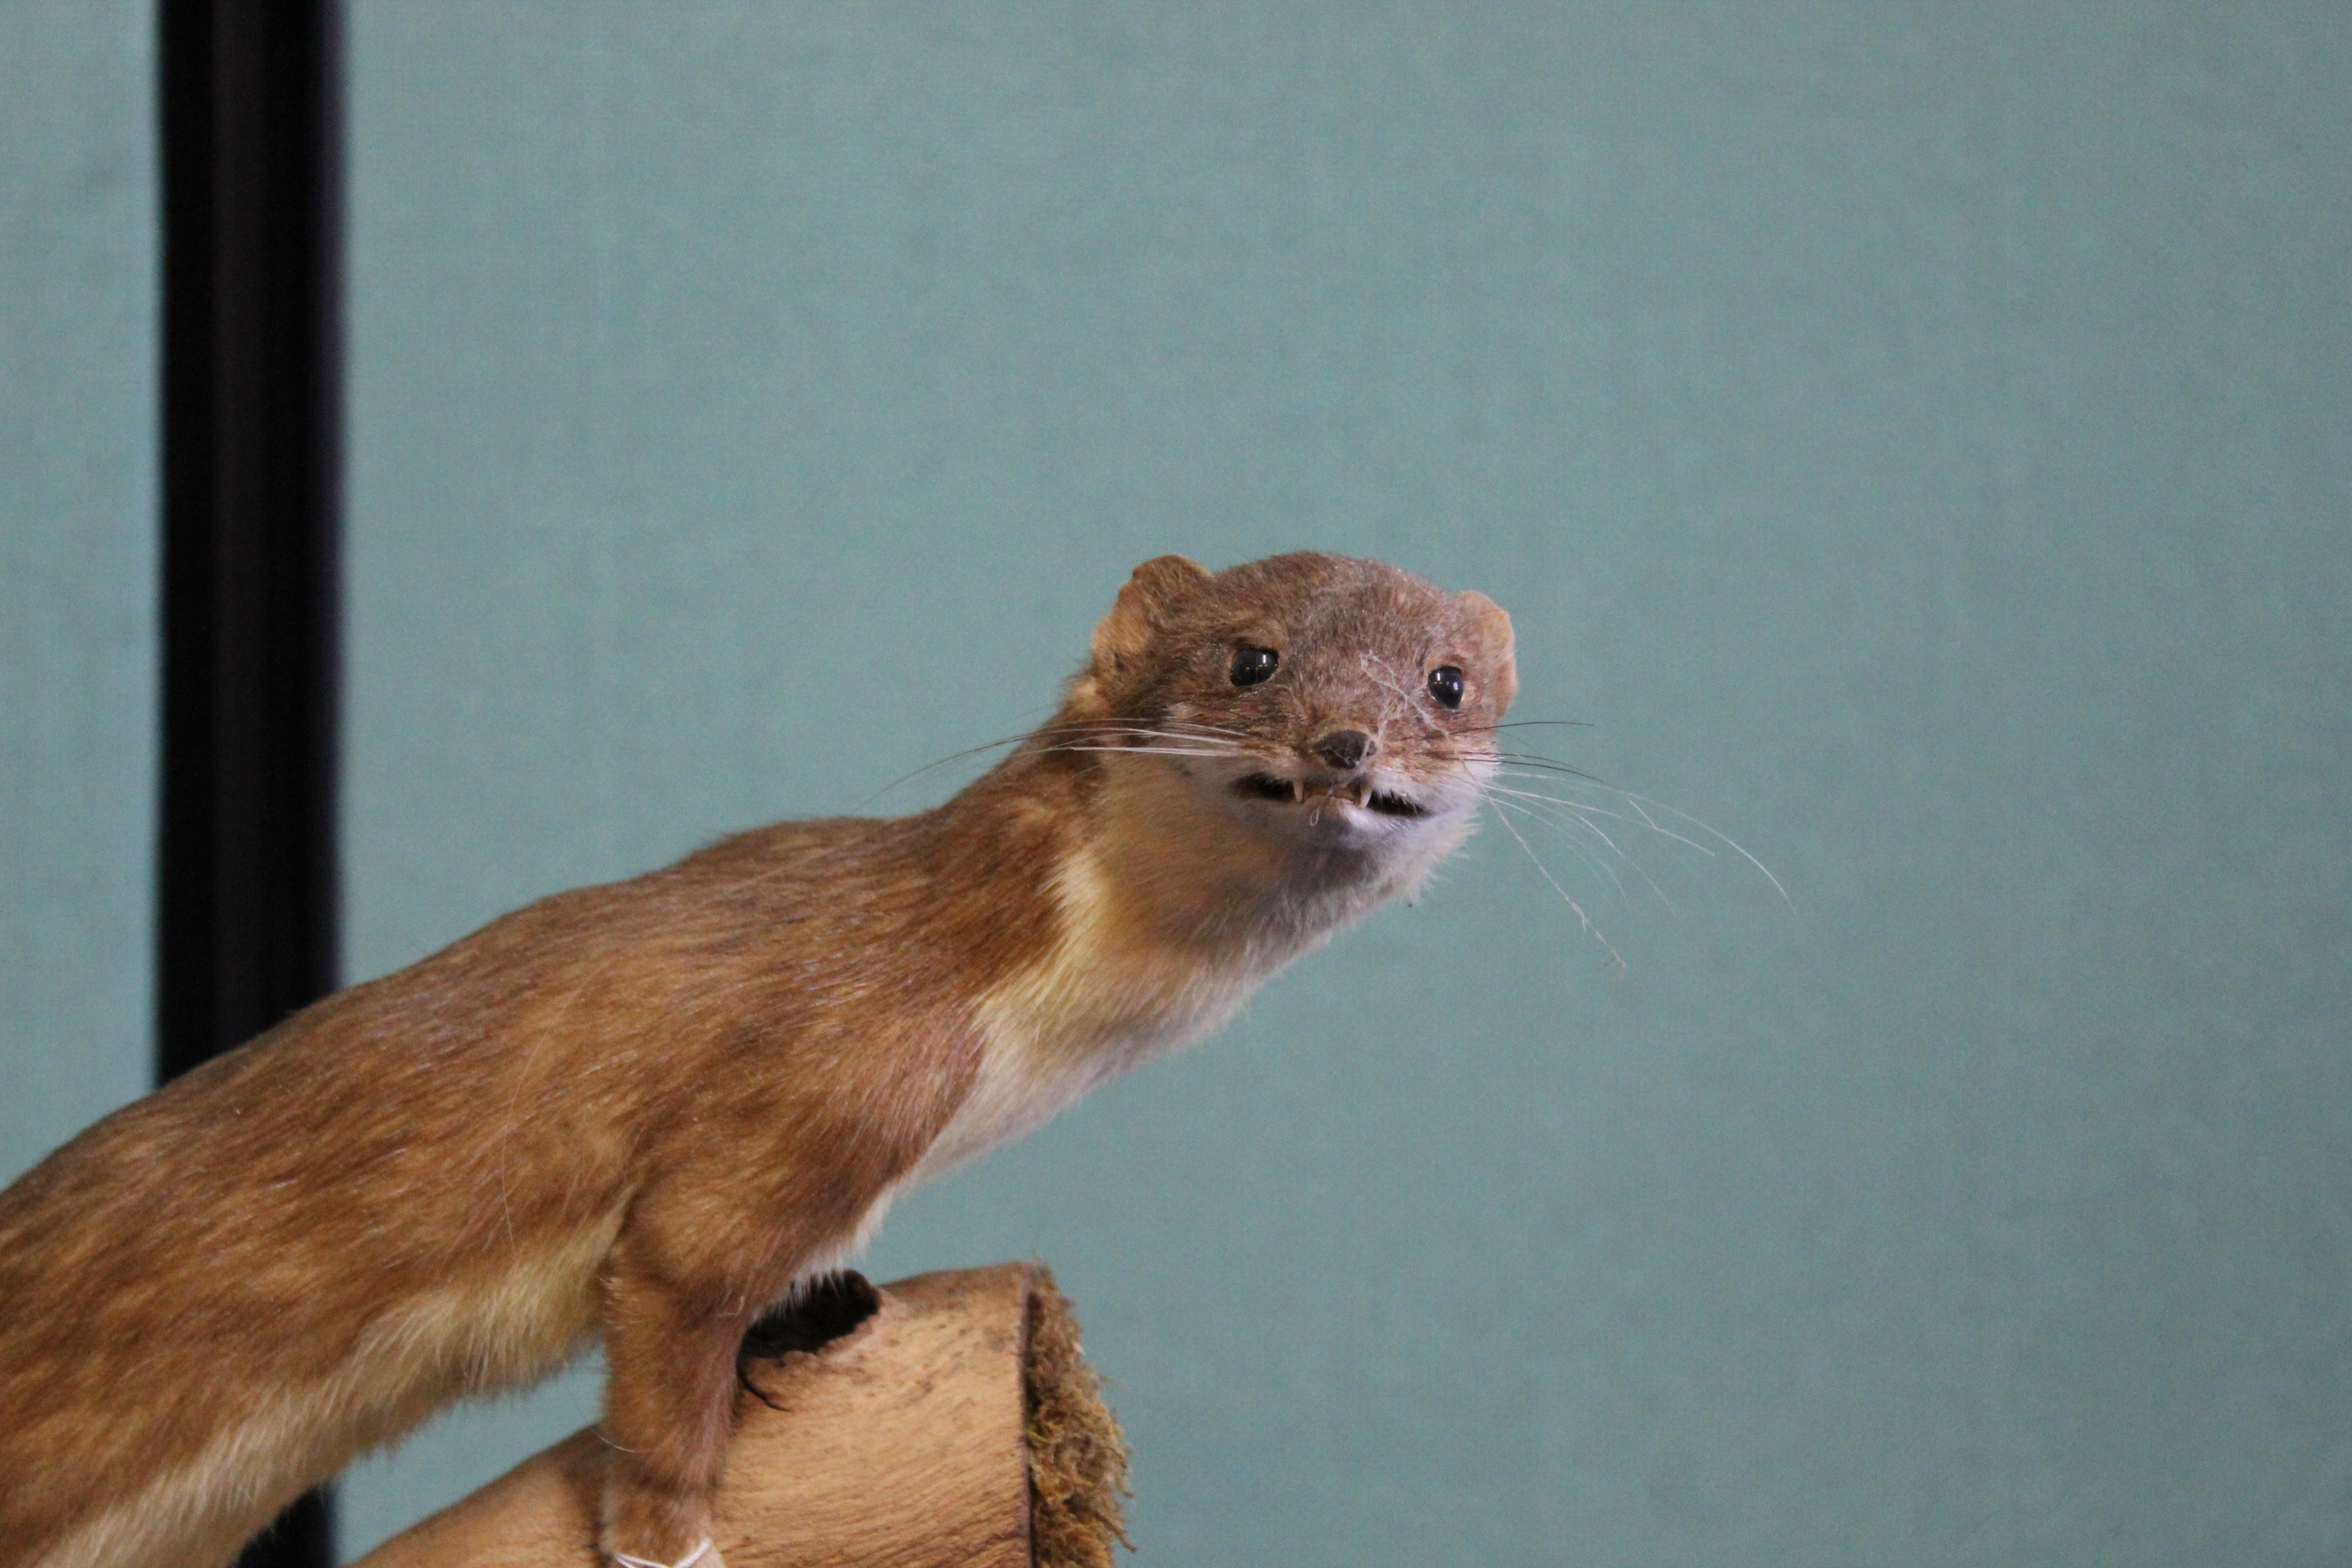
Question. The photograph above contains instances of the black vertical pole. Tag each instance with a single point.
(250, 126)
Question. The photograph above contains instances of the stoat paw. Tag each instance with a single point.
(649, 1520)
(704, 1556)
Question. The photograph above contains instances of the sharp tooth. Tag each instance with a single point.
(1297, 792)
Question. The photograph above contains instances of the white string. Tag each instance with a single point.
(688, 1561)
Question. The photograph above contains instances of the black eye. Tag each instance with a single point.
(1446, 685)
(1253, 664)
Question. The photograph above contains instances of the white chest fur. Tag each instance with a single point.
(1110, 996)
(1170, 915)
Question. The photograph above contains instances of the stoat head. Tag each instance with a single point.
(1324, 700)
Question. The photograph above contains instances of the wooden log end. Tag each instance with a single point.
(945, 1421)
(1077, 1456)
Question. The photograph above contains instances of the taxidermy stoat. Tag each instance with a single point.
(647, 1110)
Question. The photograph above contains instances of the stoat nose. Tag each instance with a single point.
(1345, 748)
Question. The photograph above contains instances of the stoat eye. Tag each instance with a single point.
(1446, 685)
(1253, 664)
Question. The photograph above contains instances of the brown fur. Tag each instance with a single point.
(644, 1111)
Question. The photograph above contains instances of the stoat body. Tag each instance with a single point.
(642, 1112)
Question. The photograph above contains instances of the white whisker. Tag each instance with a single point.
(1582, 919)
(1583, 852)
(1638, 815)
(1575, 812)
(1146, 751)
(1203, 735)
(1714, 833)
(1641, 809)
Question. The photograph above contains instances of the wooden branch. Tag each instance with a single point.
(956, 1426)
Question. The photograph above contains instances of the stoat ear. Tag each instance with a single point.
(1145, 606)
(1493, 646)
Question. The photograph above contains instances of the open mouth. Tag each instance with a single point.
(1265, 786)
(1290, 791)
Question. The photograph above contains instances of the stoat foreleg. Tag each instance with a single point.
(690, 1271)
(672, 1350)
(701, 1255)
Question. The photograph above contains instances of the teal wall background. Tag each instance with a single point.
(77, 566)
(1916, 439)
